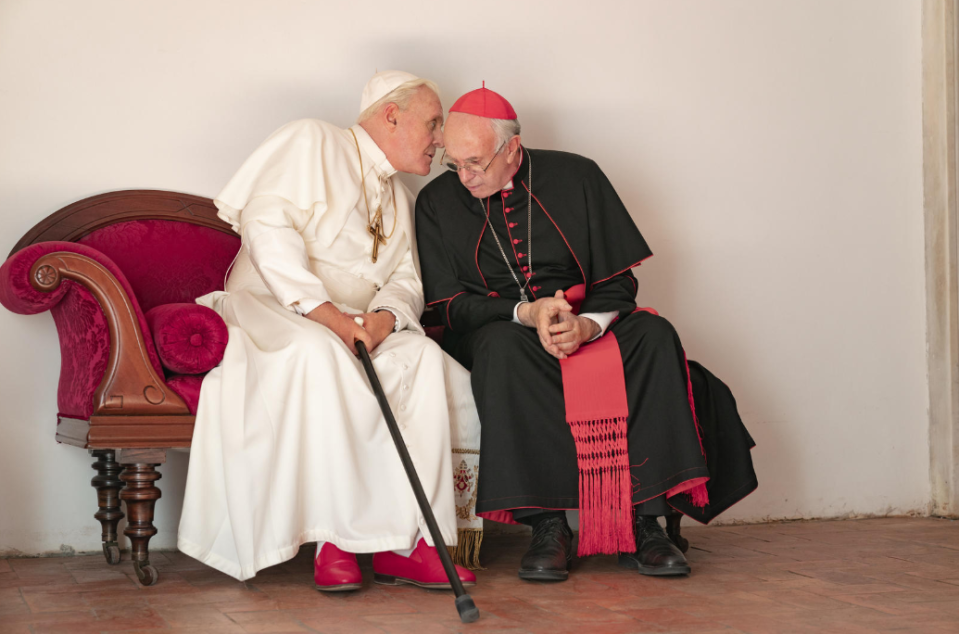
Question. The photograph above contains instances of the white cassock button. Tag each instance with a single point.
(392, 354)
(406, 367)
(406, 387)
(402, 408)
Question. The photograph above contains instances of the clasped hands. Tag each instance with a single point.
(560, 330)
(376, 326)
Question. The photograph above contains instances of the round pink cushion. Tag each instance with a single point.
(189, 338)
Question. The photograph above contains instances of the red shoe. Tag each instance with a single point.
(422, 568)
(335, 570)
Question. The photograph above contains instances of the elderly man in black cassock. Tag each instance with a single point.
(586, 401)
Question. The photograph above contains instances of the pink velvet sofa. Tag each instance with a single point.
(119, 273)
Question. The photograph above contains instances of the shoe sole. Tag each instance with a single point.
(389, 580)
(654, 571)
(544, 575)
(345, 587)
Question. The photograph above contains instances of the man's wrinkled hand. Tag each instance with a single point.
(342, 325)
(542, 314)
(379, 325)
(571, 331)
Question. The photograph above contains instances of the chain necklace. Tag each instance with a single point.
(375, 221)
(529, 237)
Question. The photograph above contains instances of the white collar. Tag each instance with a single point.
(369, 147)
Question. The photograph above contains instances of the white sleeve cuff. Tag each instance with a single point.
(516, 313)
(396, 316)
(603, 320)
(306, 306)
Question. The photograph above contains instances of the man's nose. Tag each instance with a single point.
(438, 138)
(465, 176)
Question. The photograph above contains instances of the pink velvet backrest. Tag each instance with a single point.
(166, 261)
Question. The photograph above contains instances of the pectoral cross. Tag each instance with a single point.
(376, 230)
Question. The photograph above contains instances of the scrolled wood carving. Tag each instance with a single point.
(130, 385)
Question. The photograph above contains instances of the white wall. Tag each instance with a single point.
(770, 151)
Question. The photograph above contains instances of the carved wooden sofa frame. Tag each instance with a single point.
(136, 416)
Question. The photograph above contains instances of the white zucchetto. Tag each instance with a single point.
(382, 84)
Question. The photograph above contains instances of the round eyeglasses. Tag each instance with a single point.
(472, 168)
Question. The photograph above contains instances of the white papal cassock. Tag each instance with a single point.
(290, 445)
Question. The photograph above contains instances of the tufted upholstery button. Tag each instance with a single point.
(196, 339)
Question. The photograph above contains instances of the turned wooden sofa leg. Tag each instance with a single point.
(108, 484)
(140, 494)
(672, 531)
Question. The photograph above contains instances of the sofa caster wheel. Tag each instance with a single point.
(111, 551)
(147, 574)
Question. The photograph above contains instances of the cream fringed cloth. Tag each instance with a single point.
(465, 443)
(469, 528)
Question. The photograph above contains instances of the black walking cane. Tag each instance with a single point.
(464, 603)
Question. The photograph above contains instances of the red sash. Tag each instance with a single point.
(594, 389)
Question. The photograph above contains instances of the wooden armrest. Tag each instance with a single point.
(130, 386)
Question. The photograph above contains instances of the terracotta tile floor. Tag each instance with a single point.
(876, 575)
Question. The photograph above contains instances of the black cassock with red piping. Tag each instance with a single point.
(581, 234)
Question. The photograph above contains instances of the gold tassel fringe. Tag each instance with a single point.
(467, 550)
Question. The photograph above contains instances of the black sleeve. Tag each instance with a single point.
(615, 294)
(615, 246)
(461, 308)
(615, 243)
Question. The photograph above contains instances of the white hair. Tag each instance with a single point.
(402, 95)
(505, 129)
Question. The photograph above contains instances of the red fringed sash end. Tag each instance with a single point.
(699, 496)
(605, 490)
(594, 388)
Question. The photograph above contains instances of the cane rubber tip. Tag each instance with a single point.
(469, 613)
(359, 321)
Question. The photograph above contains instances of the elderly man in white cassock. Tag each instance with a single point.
(290, 445)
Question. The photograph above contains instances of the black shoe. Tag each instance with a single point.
(655, 554)
(549, 553)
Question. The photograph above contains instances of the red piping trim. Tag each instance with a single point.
(560, 232)
(692, 406)
(440, 301)
(621, 272)
(508, 233)
(518, 263)
(448, 308)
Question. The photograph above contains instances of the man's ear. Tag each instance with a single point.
(390, 112)
(513, 146)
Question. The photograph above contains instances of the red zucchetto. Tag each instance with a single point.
(483, 102)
